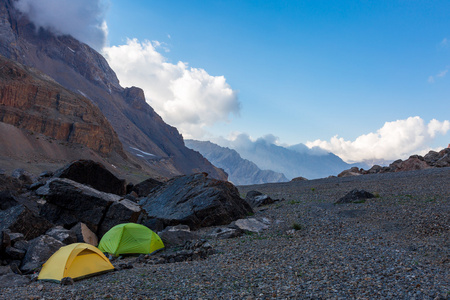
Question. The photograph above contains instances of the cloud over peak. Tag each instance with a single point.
(82, 19)
(187, 98)
(397, 139)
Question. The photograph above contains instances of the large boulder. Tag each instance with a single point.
(39, 250)
(22, 220)
(123, 211)
(69, 203)
(24, 176)
(94, 174)
(438, 159)
(196, 201)
(177, 235)
(9, 183)
(354, 171)
(144, 188)
(63, 235)
(7, 200)
(414, 162)
(256, 199)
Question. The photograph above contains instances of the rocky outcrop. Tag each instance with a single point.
(432, 159)
(39, 250)
(22, 220)
(68, 203)
(84, 71)
(196, 201)
(31, 100)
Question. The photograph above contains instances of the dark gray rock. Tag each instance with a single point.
(251, 224)
(196, 201)
(22, 245)
(444, 161)
(16, 237)
(36, 185)
(14, 266)
(63, 235)
(7, 200)
(192, 250)
(225, 233)
(69, 203)
(132, 197)
(20, 219)
(94, 174)
(144, 188)
(67, 281)
(14, 253)
(46, 174)
(256, 199)
(152, 223)
(5, 240)
(8, 183)
(24, 176)
(175, 236)
(438, 159)
(39, 250)
(123, 211)
(355, 196)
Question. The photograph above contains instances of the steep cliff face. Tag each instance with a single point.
(31, 100)
(82, 70)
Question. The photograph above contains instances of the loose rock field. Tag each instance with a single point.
(394, 246)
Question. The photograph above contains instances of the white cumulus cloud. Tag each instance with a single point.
(187, 98)
(82, 19)
(397, 139)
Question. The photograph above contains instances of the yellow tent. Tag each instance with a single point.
(77, 261)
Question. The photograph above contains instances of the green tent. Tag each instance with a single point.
(130, 238)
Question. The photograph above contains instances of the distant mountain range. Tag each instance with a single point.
(240, 171)
(294, 161)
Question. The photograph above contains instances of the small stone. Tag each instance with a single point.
(67, 281)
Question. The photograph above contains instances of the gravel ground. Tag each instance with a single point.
(395, 246)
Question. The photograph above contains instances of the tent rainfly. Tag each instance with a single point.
(78, 260)
(130, 238)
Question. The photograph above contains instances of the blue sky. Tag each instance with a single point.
(349, 76)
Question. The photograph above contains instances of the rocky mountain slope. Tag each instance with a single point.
(240, 171)
(31, 100)
(82, 70)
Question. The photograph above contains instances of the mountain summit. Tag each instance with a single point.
(81, 69)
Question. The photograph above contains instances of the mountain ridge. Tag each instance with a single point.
(81, 69)
(293, 161)
(240, 171)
